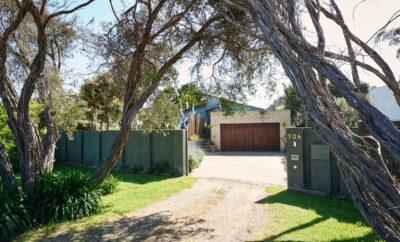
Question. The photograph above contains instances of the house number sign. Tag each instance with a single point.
(294, 136)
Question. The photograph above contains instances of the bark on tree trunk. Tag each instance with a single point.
(30, 153)
(45, 88)
(374, 190)
(116, 151)
(6, 172)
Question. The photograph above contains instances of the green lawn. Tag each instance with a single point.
(303, 217)
(135, 191)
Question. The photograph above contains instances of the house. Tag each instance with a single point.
(214, 105)
(248, 128)
(383, 99)
(262, 130)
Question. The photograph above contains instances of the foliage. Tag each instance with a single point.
(137, 186)
(230, 107)
(190, 95)
(304, 217)
(195, 158)
(292, 102)
(393, 36)
(61, 196)
(192, 162)
(14, 217)
(36, 110)
(109, 186)
(364, 89)
(194, 137)
(67, 110)
(309, 69)
(8, 140)
(159, 168)
(33, 49)
(161, 112)
(350, 115)
(137, 169)
(102, 97)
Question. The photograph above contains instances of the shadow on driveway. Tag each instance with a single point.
(152, 227)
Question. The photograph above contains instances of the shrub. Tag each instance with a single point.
(194, 137)
(137, 169)
(159, 168)
(192, 163)
(198, 155)
(109, 185)
(126, 168)
(60, 196)
(13, 155)
(7, 138)
(14, 217)
(195, 157)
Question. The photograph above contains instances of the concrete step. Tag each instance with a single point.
(205, 146)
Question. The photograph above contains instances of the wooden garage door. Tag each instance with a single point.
(250, 137)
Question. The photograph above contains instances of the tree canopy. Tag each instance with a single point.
(310, 67)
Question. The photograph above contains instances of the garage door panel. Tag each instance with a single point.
(250, 137)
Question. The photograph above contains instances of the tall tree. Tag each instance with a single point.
(34, 155)
(374, 188)
(292, 102)
(154, 35)
(192, 95)
(101, 95)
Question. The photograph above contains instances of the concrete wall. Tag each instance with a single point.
(310, 165)
(91, 148)
(218, 118)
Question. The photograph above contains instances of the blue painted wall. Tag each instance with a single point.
(213, 103)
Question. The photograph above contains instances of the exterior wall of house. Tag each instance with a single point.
(383, 99)
(218, 118)
(202, 109)
(213, 103)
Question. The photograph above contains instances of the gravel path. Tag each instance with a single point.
(211, 210)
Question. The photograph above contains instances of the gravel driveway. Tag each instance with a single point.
(221, 206)
(267, 168)
(209, 211)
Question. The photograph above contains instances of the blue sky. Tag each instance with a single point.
(363, 21)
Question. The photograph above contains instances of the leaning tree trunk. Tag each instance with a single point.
(374, 189)
(116, 151)
(6, 172)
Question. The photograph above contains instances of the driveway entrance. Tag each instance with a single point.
(266, 168)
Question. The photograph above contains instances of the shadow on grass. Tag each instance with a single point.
(157, 226)
(122, 176)
(343, 211)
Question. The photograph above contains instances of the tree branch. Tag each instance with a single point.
(46, 21)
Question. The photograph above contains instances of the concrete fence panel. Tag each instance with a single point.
(144, 148)
(169, 146)
(107, 139)
(311, 166)
(74, 149)
(61, 150)
(137, 150)
(91, 148)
